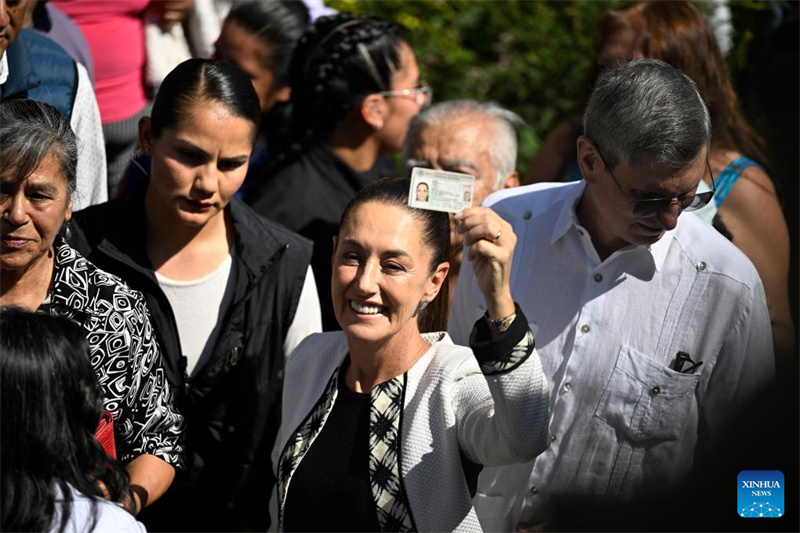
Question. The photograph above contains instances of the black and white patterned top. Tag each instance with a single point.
(490, 405)
(124, 354)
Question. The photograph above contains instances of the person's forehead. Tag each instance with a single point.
(463, 136)
(47, 174)
(409, 69)
(237, 45)
(390, 225)
(652, 176)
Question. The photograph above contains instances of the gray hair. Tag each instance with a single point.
(647, 109)
(29, 132)
(503, 151)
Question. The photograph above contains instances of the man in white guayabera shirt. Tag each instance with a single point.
(652, 328)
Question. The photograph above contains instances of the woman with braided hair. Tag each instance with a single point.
(355, 88)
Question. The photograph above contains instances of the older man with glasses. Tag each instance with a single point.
(471, 137)
(652, 328)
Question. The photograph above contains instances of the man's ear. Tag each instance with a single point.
(373, 110)
(146, 136)
(335, 244)
(510, 181)
(589, 160)
(435, 283)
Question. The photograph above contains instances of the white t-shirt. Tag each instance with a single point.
(110, 516)
(200, 305)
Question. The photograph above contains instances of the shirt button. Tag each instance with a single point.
(598, 278)
(701, 266)
(533, 490)
(580, 232)
(585, 328)
(553, 437)
(527, 215)
(655, 390)
(567, 386)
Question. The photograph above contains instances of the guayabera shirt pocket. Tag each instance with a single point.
(645, 399)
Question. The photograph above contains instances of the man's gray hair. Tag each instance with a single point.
(503, 150)
(647, 110)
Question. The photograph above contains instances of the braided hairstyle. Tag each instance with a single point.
(338, 61)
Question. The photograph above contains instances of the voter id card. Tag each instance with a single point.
(439, 190)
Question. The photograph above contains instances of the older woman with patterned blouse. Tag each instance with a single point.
(393, 425)
(40, 271)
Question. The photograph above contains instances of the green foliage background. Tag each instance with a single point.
(530, 56)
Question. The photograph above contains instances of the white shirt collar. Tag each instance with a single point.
(3, 69)
(567, 219)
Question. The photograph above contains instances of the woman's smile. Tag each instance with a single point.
(368, 309)
(380, 272)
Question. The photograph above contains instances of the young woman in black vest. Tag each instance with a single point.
(230, 293)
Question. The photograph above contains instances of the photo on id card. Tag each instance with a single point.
(439, 190)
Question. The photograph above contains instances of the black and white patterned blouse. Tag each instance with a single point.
(124, 354)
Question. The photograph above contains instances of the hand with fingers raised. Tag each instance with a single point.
(490, 241)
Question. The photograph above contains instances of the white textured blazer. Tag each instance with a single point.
(494, 412)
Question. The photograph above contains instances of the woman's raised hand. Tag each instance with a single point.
(490, 241)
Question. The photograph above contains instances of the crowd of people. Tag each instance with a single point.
(219, 312)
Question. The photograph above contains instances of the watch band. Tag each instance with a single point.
(501, 324)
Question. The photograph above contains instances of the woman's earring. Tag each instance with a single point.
(422, 305)
(379, 125)
(138, 164)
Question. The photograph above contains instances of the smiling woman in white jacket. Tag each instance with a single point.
(385, 428)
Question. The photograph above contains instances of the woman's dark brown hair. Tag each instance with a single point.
(435, 235)
(677, 33)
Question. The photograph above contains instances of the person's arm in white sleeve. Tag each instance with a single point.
(85, 122)
(307, 318)
(502, 415)
(468, 304)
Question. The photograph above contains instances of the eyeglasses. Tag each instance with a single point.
(650, 207)
(422, 95)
